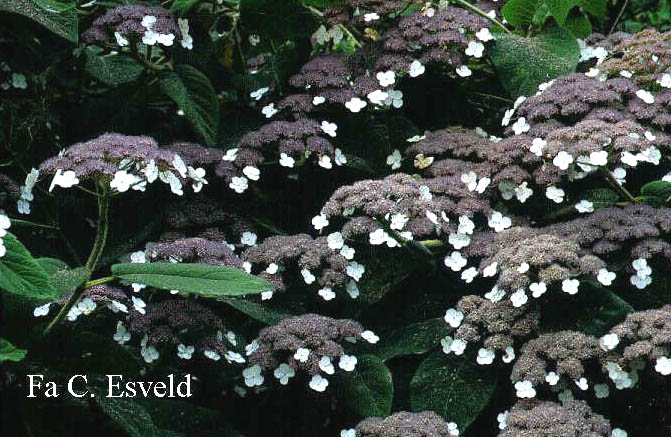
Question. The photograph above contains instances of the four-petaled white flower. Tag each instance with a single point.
(253, 376)
(665, 80)
(562, 160)
(469, 274)
(519, 298)
(605, 277)
(329, 128)
(386, 78)
(416, 69)
(347, 362)
(584, 206)
(537, 146)
(484, 35)
(377, 97)
(286, 160)
(320, 221)
(372, 16)
(318, 383)
(538, 289)
(139, 304)
(463, 71)
(248, 238)
(64, 179)
(646, 96)
(525, 389)
(394, 160)
(475, 49)
(269, 110)
(339, 157)
(326, 293)
(570, 286)
(609, 342)
(453, 317)
(499, 222)
(458, 346)
(355, 104)
(41, 310)
(239, 184)
(370, 337)
(185, 352)
(318, 100)
(121, 335)
(355, 270)
(555, 194)
(455, 261)
(521, 126)
(485, 356)
(283, 373)
(348, 433)
(582, 384)
(552, 378)
(258, 94)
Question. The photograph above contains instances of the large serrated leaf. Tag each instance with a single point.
(660, 189)
(113, 69)
(195, 96)
(417, 338)
(257, 311)
(368, 389)
(67, 280)
(60, 17)
(524, 63)
(452, 387)
(22, 275)
(520, 12)
(201, 279)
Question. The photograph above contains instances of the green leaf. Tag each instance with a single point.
(9, 352)
(661, 189)
(601, 310)
(602, 197)
(257, 311)
(579, 26)
(452, 387)
(60, 17)
(22, 275)
(64, 281)
(195, 96)
(560, 9)
(52, 265)
(183, 7)
(201, 279)
(111, 69)
(524, 63)
(598, 8)
(128, 415)
(368, 389)
(413, 339)
(520, 12)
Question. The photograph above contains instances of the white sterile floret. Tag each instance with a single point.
(605, 277)
(562, 160)
(525, 389)
(519, 298)
(326, 293)
(355, 104)
(352, 289)
(416, 69)
(475, 49)
(582, 384)
(663, 366)
(490, 270)
(537, 146)
(325, 162)
(230, 155)
(302, 355)
(458, 346)
(348, 433)
(335, 241)
(121, 335)
(599, 158)
(464, 71)
(347, 362)
(377, 97)
(619, 432)
(239, 184)
(502, 418)
(329, 128)
(446, 343)
(185, 352)
(149, 354)
(496, 294)
(41, 310)
(272, 268)
(116, 306)
(646, 96)
(253, 376)
(555, 194)
(269, 110)
(64, 179)
(377, 237)
(499, 222)
(609, 342)
(466, 225)
(452, 429)
(601, 391)
(649, 136)
(138, 304)
(394, 160)
(570, 286)
(521, 126)
(394, 98)
(641, 266)
(584, 206)
(626, 73)
(508, 355)
(318, 100)
(372, 16)
(370, 337)
(283, 373)
(453, 317)
(592, 72)
(320, 221)
(339, 157)
(258, 94)
(308, 277)
(347, 252)
(665, 80)
(523, 268)
(252, 173)
(326, 365)
(484, 35)
(123, 42)
(187, 40)
(198, 177)
(459, 240)
(355, 270)
(398, 221)
(386, 78)
(469, 274)
(523, 192)
(455, 261)
(318, 383)
(552, 378)
(538, 289)
(485, 356)
(248, 238)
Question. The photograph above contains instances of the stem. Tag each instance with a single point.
(101, 233)
(482, 13)
(616, 185)
(617, 19)
(98, 281)
(96, 252)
